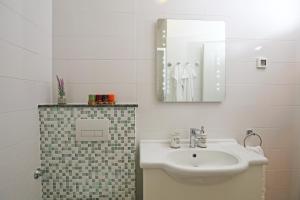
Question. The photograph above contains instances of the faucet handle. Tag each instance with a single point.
(193, 130)
(202, 131)
(201, 134)
(202, 138)
(193, 137)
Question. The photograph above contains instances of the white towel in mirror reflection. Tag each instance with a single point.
(183, 77)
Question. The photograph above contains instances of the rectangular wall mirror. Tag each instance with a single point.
(190, 60)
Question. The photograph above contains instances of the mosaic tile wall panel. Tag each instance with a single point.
(87, 170)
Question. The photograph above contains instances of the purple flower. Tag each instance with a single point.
(61, 88)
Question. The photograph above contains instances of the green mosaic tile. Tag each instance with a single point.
(87, 170)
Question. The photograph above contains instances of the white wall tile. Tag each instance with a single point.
(37, 12)
(295, 184)
(260, 95)
(92, 71)
(89, 48)
(17, 94)
(92, 23)
(298, 50)
(17, 127)
(18, 31)
(278, 179)
(16, 172)
(275, 138)
(25, 64)
(277, 73)
(95, 6)
(278, 194)
(145, 72)
(25, 81)
(246, 50)
(279, 159)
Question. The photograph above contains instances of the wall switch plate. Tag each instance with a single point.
(92, 129)
(261, 63)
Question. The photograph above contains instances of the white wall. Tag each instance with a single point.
(102, 46)
(295, 190)
(25, 81)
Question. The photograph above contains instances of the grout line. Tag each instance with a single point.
(14, 45)
(18, 110)
(101, 83)
(88, 60)
(23, 79)
(229, 84)
(276, 62)
(17, 13)
(94, 36)
(255, 106)
(100, 59)
(153, 59)
(23, 17)
(279, 170)
(19, 46)
(229, 61)
(229, 39)
(135, 49)
(286, 106)
(277, 148)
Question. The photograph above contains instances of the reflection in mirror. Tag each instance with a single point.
(190, 60)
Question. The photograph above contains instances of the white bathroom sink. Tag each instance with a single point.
(201, 158)
(222, 159)
(203, 163)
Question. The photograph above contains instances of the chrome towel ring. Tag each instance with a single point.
(251, 133)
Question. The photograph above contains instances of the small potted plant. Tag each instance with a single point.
(61, 100)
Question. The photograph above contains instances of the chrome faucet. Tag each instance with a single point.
(202, 139)
(193, 137)
(198, 138)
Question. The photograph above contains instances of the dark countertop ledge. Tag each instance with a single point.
(85, 105)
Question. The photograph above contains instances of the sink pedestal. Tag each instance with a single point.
(249, 185)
